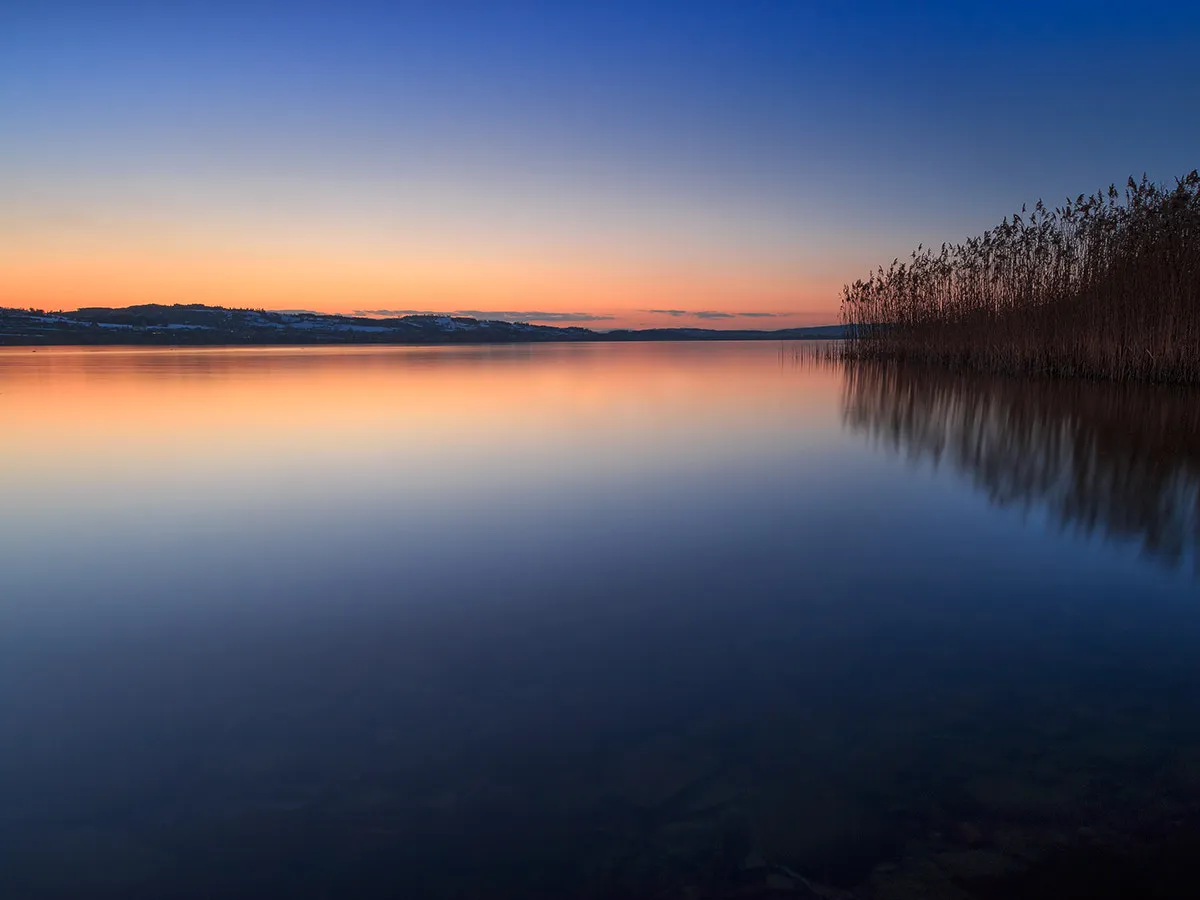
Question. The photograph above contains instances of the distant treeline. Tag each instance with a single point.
(1107, 286)
(200, 325)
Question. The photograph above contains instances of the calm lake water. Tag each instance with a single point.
(590, 620)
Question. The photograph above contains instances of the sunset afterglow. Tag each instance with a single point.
(604, 167)
(659, 450)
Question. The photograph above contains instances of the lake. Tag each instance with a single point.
(595, 620)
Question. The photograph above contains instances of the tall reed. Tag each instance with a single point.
(1106, 286)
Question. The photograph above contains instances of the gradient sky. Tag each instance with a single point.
(727, 164)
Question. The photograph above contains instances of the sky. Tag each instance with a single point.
(612, 164)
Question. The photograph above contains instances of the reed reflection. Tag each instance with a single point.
(1120, 462)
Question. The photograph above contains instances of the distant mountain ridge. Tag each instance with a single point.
(197, 324)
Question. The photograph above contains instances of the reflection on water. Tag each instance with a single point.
(586, 621)
(1121, 461)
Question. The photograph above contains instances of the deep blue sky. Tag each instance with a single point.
(608, 158)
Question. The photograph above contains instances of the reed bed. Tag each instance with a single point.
(1105, 287)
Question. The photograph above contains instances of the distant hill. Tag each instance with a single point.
(195, 324)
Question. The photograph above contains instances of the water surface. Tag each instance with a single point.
(588, 620)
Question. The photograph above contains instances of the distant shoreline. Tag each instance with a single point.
(214, 326)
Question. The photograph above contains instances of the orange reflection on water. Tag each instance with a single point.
(78, 414)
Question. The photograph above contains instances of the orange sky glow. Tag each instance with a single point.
(617, 293)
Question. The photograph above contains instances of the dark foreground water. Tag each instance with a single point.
(667, 620)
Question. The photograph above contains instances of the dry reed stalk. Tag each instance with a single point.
(1103, 288)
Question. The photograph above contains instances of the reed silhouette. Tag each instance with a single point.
(1106, 287)
(1122, 461)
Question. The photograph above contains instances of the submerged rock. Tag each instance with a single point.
(970, 834)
